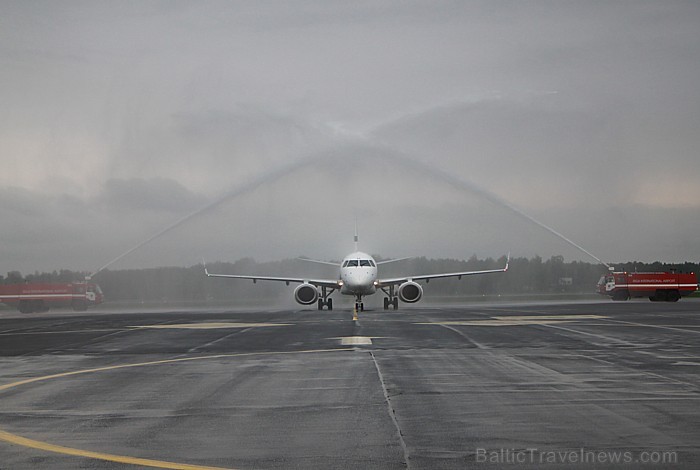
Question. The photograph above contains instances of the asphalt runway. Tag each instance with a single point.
(551, 385)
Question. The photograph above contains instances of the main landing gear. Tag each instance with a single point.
(391, 300)
(324, 300)
(394, 302)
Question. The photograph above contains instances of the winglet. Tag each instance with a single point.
(205, 267)
(507, 263)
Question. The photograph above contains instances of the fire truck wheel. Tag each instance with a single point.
(79, 305)
(661, 296)
(621, 295)
(673, 296)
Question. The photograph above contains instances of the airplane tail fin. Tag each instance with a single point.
(356, 237)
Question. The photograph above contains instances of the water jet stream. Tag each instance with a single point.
(386, 153)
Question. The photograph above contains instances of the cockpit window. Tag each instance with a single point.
(354, 263)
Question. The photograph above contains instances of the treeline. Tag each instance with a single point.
(180, 284)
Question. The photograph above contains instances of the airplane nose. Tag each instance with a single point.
(357, 279)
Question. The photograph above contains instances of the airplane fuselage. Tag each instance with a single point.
(358, 274)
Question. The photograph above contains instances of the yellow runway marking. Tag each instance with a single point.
(518, 320)
(60, 332)
(210, 326)
(23, 441)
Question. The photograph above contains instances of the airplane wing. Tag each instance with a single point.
(393, 260)
(336, 264)
(298, 280)
(428, 277)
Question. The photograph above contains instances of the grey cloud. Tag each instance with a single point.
(214, 149)
(153, 194)
(20, 202)
(554, 140)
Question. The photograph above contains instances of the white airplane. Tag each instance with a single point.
(358, 277)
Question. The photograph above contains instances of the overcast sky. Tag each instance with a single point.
(117, 119)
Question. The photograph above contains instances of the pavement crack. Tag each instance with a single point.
(211, 343)
(392, 412)
(463, 335)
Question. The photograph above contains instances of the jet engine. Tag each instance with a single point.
(410, 292)
(306, 294)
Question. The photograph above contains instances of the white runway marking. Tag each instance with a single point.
(518, 320)
(682, 328)
(354, 340)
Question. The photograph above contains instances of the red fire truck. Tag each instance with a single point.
(30, 298)
(659, 287)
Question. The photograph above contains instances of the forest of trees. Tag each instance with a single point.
(167, 285)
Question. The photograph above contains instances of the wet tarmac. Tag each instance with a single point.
(549, 385)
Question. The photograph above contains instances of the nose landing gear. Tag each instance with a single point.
(359, 307)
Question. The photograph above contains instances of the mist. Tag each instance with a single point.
(145, 134)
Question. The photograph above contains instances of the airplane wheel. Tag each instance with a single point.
(395, 303)
(320, 304)
(386, 303)
(329, 303)
(362, 307)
